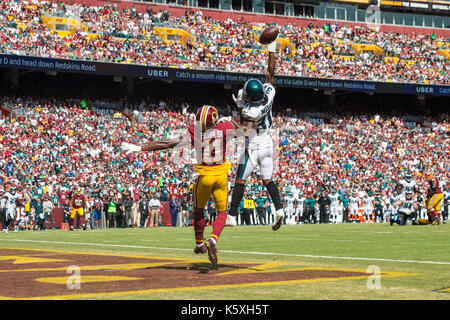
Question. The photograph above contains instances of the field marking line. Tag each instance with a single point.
(97, 253)
(86, 279)
(109, 267)
(200, 288)
(342, 240)
(263, 268)
(228, 251)
(271, 268)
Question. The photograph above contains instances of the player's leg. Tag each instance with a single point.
(219, 193)
(445, 212)
(245, 168)
(201, 194)
(3, 220)
(266, 165)
(73, 214)
(437, 205)
(82, 218)
(433, 208)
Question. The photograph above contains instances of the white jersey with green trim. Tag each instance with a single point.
(261, 113)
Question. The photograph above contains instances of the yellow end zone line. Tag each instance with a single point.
(384, 274)
(126, 266)
(259, 266)
(187, 260)
(214, 287)
(270, 267)
(107, 254)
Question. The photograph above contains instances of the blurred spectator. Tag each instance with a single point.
(143, 211)
(154, 205)
(129, 36)
(174, 210)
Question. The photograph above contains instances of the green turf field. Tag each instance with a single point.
(423, 252)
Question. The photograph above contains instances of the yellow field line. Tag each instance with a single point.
(214, 287)
(106, 254)
(262, 268)
(126, 266)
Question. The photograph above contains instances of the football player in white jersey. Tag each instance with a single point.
(334, 206)
(3, 209)
(290, 204)
(408, 184)
(11, 205)
(407, 208)
(368, 207)
(354, 207)
(393, 200)
(254, 102)
(299, 211)
(446, 204)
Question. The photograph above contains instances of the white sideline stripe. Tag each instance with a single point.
(232, 251)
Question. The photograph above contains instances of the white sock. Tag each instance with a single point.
(213, 240)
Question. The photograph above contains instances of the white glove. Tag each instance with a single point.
(240, 100)
(224, 119)
(272, 47)
(128, 148)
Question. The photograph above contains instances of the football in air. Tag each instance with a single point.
(268, 35)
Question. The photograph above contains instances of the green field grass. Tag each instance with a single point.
(422, 250)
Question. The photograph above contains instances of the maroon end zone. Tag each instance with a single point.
(37, 274)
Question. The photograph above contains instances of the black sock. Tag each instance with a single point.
(275, 195)
(238, 193)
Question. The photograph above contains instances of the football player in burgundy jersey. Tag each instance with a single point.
(77, 208)
(208, 136)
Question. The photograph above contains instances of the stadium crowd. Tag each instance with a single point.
(128, 36)
(52, 148)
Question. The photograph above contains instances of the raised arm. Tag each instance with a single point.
(166, 144)
(270, 73)
(157, 145)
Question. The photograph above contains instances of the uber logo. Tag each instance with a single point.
(157, 73)
(424, 89)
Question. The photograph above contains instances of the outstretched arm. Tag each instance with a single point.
(166, 144)
(270, 74)
(156, 145)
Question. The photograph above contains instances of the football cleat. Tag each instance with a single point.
(279, 217)
(231, 221)
(200, 249)
(212, 251)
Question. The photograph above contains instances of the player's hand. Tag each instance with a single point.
(272, 47)
(240, 99)
(128, 148)
(224, 119)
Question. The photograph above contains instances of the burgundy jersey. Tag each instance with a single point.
(211, 145)
(434, 186)
(77, 201)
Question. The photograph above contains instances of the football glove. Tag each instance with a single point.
(272, 47)
(224, 119)
(128, 148)
(240, 99)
